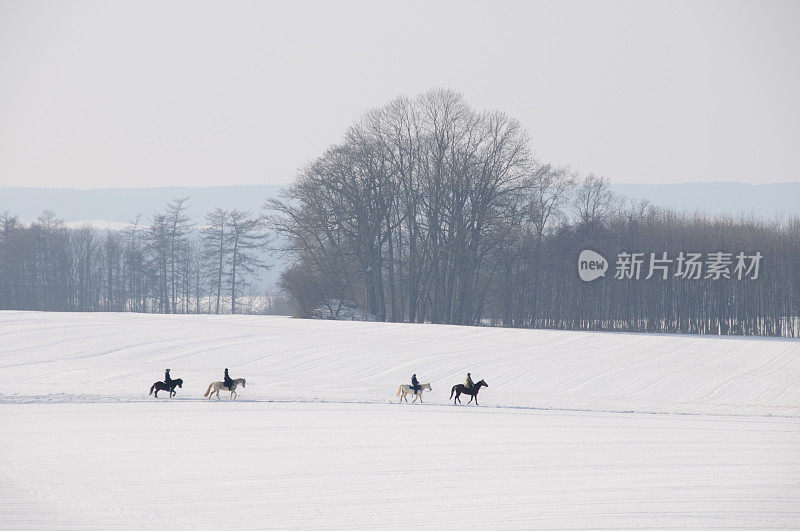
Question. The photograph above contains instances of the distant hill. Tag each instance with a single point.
(110, 207)
(766, 201)
(123, 204)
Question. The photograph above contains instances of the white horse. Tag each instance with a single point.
(219, 386)
(406, 390)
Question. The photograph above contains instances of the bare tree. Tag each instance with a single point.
(247, 240)
(158, 255)
(216, 247)
(594, 202)
(10, 260)
(178, 226)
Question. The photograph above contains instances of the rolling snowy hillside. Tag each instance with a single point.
(575, 429)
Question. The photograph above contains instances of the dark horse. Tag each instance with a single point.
(161, 386)
(463, 389)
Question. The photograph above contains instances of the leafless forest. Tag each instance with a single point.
(426, 211)
(168, 266)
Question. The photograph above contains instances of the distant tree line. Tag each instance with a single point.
(430, 211)
(167, 266)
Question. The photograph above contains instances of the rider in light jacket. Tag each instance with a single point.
(468, 383)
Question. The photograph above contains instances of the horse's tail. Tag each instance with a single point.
(209, 388)
(151, 388)
(453, 390)
(399, 390)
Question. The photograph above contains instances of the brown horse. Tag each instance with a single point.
(463, 389)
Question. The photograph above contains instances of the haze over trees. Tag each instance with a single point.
(428, 210)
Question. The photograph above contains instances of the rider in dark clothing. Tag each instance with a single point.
(414, 383)
(228, 382)
(167, 379)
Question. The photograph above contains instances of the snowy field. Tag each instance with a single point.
(576, 430)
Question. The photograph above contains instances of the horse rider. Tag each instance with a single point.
(468, 383)
(414, 383)
(227, 381)
(167, 379)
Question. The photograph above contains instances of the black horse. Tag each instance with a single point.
(161, 386)
(463, 389)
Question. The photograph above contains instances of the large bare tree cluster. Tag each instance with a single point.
(430, 211)
(406, 215)
(164, 267)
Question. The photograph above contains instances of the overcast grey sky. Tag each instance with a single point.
(121, 94)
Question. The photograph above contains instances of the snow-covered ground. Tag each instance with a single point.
(588, 430)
